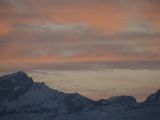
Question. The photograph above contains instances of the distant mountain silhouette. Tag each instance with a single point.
(23, 99)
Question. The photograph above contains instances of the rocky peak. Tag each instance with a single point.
(12, 86)
(19, 73)
(122, 100)
(154, 97)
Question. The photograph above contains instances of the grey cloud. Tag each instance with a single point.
(58, 74)
(139, 31)
(83, 66)
(38, 72)
(136, 36)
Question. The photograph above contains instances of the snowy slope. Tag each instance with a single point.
(21, 98)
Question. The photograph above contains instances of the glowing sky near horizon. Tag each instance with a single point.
(98, 48)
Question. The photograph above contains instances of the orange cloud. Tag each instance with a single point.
(5, 28)
(110, 16)
(27, 44)
(100, 16)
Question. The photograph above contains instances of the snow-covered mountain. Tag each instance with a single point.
(22, 98)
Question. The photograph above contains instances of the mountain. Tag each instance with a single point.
(154, 97)
(12, 86)
(22, 98)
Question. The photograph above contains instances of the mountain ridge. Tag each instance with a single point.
(21, 95)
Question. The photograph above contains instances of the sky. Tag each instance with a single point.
(98, 48)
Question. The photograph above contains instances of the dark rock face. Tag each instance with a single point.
(154, 97)
(77, 103)
(12, 86)
(122, 100)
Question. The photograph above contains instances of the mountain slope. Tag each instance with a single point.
(21, 98)
(154, 97)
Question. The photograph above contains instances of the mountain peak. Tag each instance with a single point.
(19, 73)
(154, 97)
(122, 99)
(15, 75)
(12, 86)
